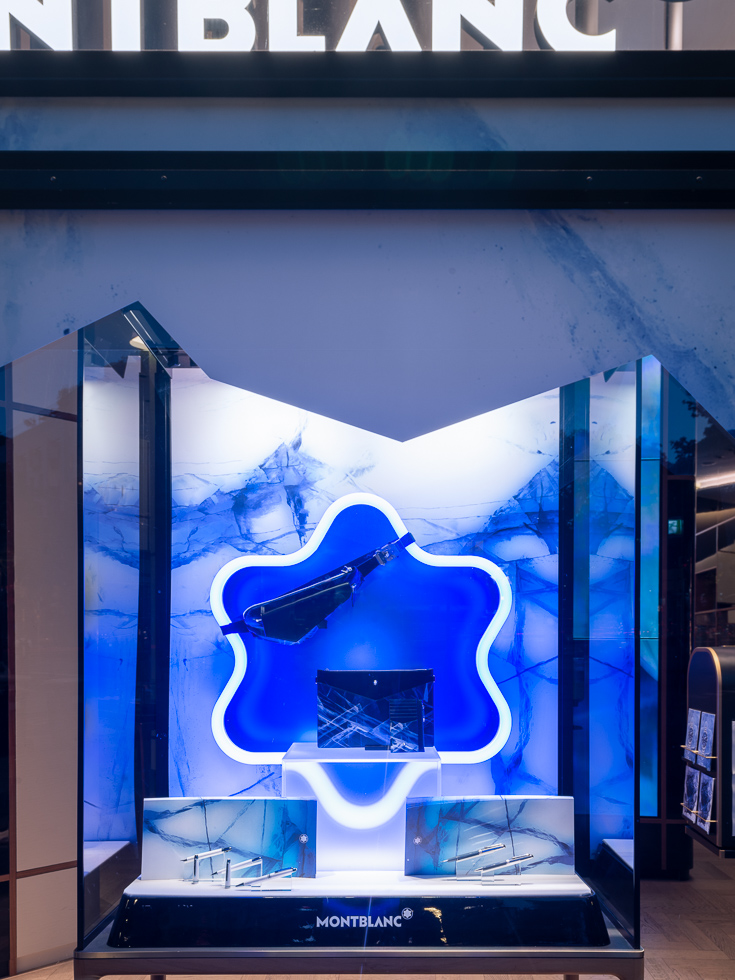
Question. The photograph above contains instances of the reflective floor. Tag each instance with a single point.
(688, 930)
(688, 927)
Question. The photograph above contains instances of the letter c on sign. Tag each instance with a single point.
(558, 31)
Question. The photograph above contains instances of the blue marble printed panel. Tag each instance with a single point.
(282, 832)
(523, 537)
(111, 563)
(349, 720)
(441, 829)
(255, 476)
(409, 619)
(611, 604)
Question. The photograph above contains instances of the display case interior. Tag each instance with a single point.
(335, 684)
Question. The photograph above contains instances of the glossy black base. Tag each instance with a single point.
(287, 921)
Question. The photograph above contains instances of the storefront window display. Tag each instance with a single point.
(366, 678)
(369, 625)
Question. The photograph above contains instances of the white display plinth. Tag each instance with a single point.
(360, 821)
(370, 884)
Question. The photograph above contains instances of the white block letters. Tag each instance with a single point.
(500, 22)
(240, 34)
(50, 21)
(364, 20)
(558, 31)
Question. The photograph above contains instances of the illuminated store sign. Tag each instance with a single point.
(228, 25)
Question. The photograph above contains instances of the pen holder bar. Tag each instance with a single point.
(240, 864)
(511, 862)
(482, 850)
(206, 854)
(471, 854)
(283, 873)
(697, 752)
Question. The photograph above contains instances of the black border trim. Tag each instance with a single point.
(426, 74)
(328, 180)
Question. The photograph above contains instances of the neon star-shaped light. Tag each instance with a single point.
(419, 610)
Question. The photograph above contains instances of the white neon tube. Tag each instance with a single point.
(361, 816)
(481, 655)
(461, 561)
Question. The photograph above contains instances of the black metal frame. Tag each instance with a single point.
(618, 959)
(663, 842)
(574, 484)
(366, 179)
(154, 601)
(425, 74)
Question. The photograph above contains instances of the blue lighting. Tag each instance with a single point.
(419, 610)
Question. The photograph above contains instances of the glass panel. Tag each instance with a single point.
(111, 489)
(650, 530)
(597, 681)
(47, 379)
(45, 545)
(714, 580)
(611, 625)
(5, 622)
(40, 509)
(4, 927)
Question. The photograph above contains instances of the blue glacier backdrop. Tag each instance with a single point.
(442, 829)
(252, 475)
(111, 567)
(612, 462)
(405, 615)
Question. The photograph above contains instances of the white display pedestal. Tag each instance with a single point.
(360, 828)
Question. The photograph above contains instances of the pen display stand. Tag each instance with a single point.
(708, 799)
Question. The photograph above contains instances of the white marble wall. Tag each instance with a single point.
(400, 323)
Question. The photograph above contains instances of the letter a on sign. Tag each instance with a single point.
(500, 22)
(50, 21)
(364, 21)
